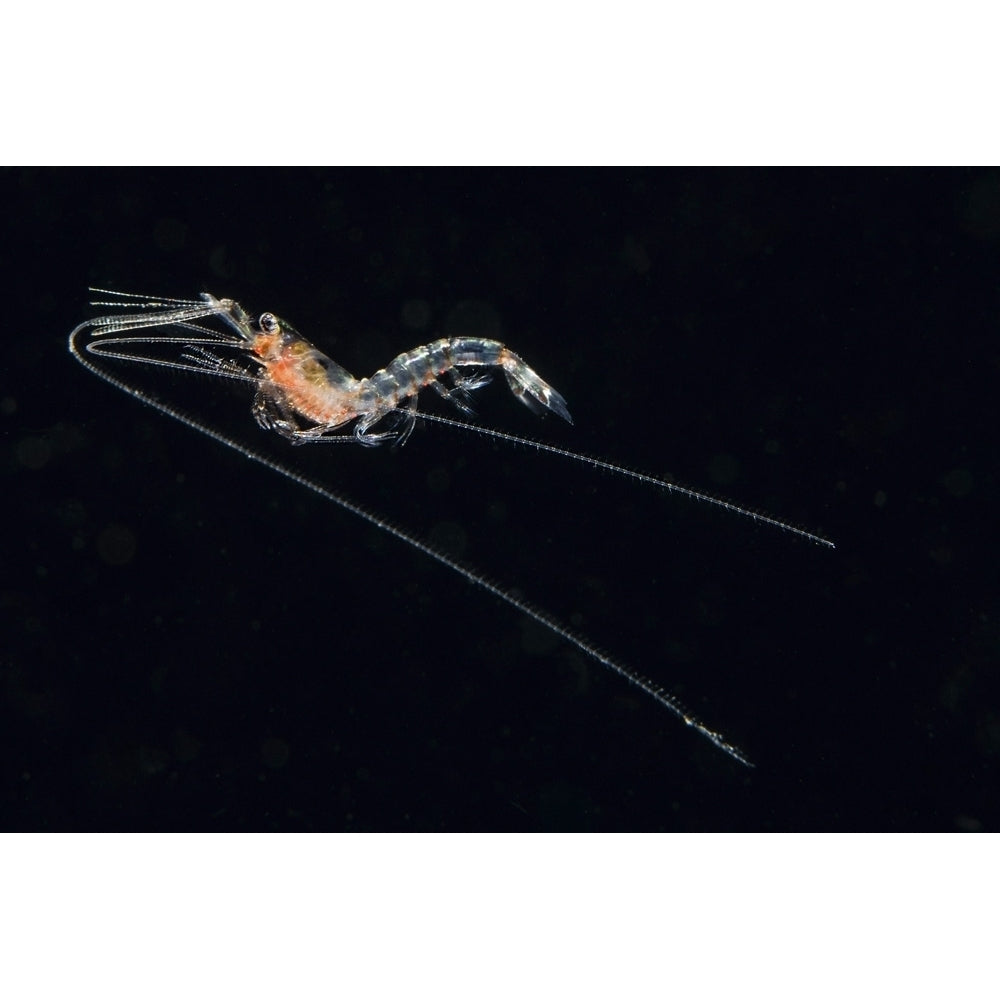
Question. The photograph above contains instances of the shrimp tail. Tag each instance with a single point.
(530, 388)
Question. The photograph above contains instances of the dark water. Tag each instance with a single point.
(192, 642)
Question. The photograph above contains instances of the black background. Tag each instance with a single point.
(192, 642)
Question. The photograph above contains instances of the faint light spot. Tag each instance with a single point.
(116, 545)
(988, 734)
(634, 255)
(8, 406)
(942, 555)
(169, 234)
(958, 482)
(724, 469)
(496, 512)
(416, 314)
(274, 752)
(158, 678)
(185, 747)
(968, 823)
(220, 263)
(71, 513)
(32, 700)
(33, 452)
(153, 760)
(979, 210)
(880, 499)
(438, 480)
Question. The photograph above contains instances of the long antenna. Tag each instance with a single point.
(474, 577)
(622, 470)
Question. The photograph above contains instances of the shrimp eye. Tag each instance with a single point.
(269, 323)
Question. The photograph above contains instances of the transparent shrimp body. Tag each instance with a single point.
(302, 393)
(300, 381)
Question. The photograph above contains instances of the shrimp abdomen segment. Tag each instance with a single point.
(411, 371)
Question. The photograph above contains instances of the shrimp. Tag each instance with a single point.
(297, 380)
(308, 398)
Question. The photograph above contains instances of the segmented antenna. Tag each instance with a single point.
(623, 470)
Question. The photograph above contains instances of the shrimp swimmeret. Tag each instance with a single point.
(308, 398)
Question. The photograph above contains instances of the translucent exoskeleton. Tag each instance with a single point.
(307, 398)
